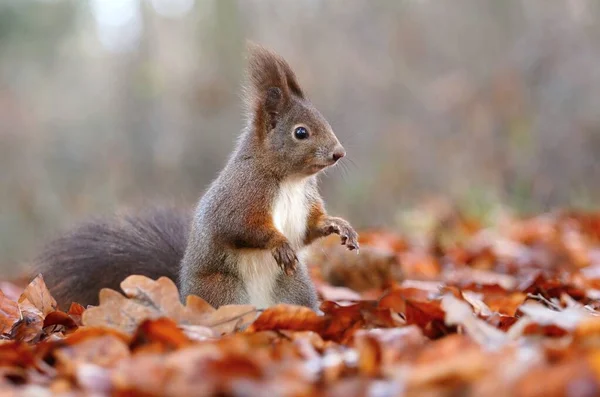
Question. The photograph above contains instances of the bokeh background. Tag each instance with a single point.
(107, 104)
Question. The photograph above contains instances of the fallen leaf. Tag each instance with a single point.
(102, 350)
(151, 299)
(159, 335)
(460, 313)
(39, 296)
(60, 318)
(75, 312)
(507, 310)
(419, 307)
(395, 344)
(30, 326)
(337, 294)
(567, 319)
(116, 311)
(288, 317)
(9, 313)
(10, 290)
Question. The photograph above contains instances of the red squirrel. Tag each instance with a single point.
(241, 244)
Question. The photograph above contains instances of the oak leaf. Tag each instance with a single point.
(151, 299)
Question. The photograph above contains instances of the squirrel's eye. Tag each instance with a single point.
(300, 133)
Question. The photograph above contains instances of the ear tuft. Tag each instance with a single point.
(267, 70)
(272, 105)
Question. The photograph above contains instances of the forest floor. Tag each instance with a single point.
(509, 309)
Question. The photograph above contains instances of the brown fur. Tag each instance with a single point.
(102, 252)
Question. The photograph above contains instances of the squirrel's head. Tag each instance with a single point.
(288, 128)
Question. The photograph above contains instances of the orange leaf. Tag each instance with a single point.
(289, 317)
(39, 296)
(159, 335)
(9, 313)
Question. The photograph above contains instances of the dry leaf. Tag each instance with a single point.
(11, 290)
(39, 296)
(288, 317)
(116, 311)
(9, 314)
(75, 312)
(496, 313)
(103, 350)
(337, 294)
(159, 335)
(567, 319)
(150, 299)
(461, 313)
(30, 325)
(60, 318)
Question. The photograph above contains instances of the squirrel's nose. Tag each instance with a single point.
(338, 153)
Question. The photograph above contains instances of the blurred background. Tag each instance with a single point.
(106, 104)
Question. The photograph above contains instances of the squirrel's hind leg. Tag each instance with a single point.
(296, 289)
(218, 289)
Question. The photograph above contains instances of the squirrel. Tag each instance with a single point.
(242, 242)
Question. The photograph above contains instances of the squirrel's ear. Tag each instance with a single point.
(271, 84)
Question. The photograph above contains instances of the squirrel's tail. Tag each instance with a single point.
(102, 253)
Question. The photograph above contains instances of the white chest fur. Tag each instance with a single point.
(258, 268)
(290, 211)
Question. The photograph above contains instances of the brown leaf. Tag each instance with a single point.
(13, 354)
(419, 307)
(159, 335)
(102, 350)
(60, 318)
(86, 333)
(453, 358)
(507, 304)
(344, 321)
(39, 296)
(396, 343)
(11, 290)
(570, 378)
(30, 326)
(469, 277)
(339, 323)
(75, 312)
(289, 317)
(496, 312)
(161, 296)
(370, 354)
(567, 319)
(9, 313)
(338, 294)
(459, 312)
(118, 312)
(150, 299)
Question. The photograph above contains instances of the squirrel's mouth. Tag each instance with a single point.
(318, 167)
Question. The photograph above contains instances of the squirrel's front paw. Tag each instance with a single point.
(347, 233)
(286, 258)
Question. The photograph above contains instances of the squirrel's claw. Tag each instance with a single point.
(352, 243)
(286, 258)
(347, 234)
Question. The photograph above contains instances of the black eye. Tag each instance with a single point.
(300, 133)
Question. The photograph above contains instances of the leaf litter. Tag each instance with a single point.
(507, 310)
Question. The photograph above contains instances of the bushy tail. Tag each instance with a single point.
(101, 253)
